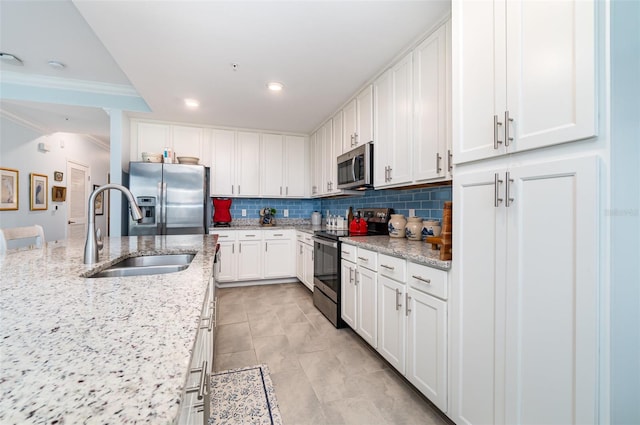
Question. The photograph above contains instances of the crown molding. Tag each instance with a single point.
(23, 122)
(43, 81)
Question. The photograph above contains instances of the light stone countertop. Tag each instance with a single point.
(106, 350)
(416, 251)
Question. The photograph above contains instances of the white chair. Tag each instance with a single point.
(28, 232)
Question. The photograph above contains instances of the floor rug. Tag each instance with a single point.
(244, 396)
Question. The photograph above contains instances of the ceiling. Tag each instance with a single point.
(166, 51)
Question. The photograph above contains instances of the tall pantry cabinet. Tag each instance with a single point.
(524, 306)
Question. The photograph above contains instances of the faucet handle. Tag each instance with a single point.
(99, 239)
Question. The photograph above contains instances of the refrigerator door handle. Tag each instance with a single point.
(164, 208)
(159, 218)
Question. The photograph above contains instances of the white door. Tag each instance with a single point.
(278, 258)
(349, 126)
(329, 168)
(430, 106)
(223, 163)
(247, 164)
(477, 299)
(427, 346)
(383, 99)
(308, 266)
(552, 295)
(152, 138)
(348, 305)
(249, 260)
(551, 72)
(300, 261)
(78, 198)
(367, 302)
(338, 134)
(402, 127)
(228, 259)
(295, 149)
(188, 141)
(392, 323)
(364, 129)
(272, 165)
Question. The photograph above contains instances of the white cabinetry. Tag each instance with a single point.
(249, 255)
(393, 109)
(304, 259)
(154, 137)
(279, 253)
(272, 164)
(358, 120)
(235, 163)
(367, 296)
(296, 160)
(524, 309)
(525, 75)
(283, 166)
(189, 141)
(348, 288)
(228, 259)
(392, 322)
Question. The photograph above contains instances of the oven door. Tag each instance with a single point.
(326, 267)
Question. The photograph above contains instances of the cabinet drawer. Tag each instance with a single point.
(429, 280)
(349, 252)
(247, 235)
(224, 235)
(276, 234)
(367, 259)
(392, 267)
(308, 238)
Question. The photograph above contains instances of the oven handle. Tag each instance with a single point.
(324, 242)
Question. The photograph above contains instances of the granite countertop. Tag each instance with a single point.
(307, 228)
(106, 350)
(418, 252)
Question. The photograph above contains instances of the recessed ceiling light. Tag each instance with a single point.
(191, 103)
(56, 65)
(275, 86)
(9, 58)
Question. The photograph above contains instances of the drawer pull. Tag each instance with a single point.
(277, 234)
(422, 279)
(387, 267)
(363, 258)
(345, 252)
(250, 236)
(398, 303)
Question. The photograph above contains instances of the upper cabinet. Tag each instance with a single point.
(283, 166)
(525, 76)
(358, 120)
(235, 163)
(189, 141)
(155, 137)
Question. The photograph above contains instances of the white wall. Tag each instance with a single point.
(19, 150)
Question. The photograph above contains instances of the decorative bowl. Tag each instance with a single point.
(151, 157)
(192, 160)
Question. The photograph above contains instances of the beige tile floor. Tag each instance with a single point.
(322, 375)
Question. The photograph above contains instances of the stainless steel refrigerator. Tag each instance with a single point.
(174, 198)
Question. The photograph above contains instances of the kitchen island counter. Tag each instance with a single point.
(416, 251)
(104, 350)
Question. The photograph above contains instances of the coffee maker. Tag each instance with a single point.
(222, 212)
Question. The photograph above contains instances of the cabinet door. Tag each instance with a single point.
(477, 322)
(295, 166)
(401, 147)
(479, 67)
(329, 181)
(338, 134)
(350, 125)
(430, 107)
(392, 324)
(278, 258)
(348, 293)
(383, 99)
(222, 163)
(272, 165)
(308, 266)
(315, 153)
(427, 346)
(300, 261)
(367, 305)
(188, 141)
(364, 119)
(249, 260)
(228, 262)
(152, 138)
(247, 176)
(552, 311)
(551, 72)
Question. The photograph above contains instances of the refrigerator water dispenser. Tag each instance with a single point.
(147, 205)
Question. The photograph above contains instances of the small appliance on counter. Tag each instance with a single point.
(221, 212)
(358, 226)
(267, 216)
(316, 218)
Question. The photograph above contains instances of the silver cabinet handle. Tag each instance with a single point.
(355, 138)
(398, 304)
(450, 160)
(507, 121)
(408, 300)
(345, 252)
(355, 282)
(250, 236)
(233, 248)
(352, 138)
(280, 190)
(363, 258)
(277, 234)
(387, 267)
(300, 249)
(421, 278)
(507, 196)
(240, 247)
(351, 274)
(201, 388)
(496, 124)
(438, 158)
(390, 169)
(287, 191)
(496, 198)
(238, 189)
(266, 247)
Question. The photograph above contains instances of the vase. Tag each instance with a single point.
(428, 227)
(413, 228)
(397, 226)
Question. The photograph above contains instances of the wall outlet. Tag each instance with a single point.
(286, 213)
(412, 212)
(244, 213)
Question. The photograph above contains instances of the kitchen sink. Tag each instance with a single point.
(147, 265)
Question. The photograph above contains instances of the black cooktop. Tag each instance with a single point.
(377, 222)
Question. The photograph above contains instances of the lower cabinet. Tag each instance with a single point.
(278, 254)
(392, 322)
(367, 305)
(304, 259)
(249, 259)
(348, 294)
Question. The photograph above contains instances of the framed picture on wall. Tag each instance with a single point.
(8, 189)
(58, 193)
(57, 176)
(99, 204)
(39, 196)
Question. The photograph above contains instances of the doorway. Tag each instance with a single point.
(78, 190)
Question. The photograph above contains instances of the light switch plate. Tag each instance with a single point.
(412, 212)
(286, 213)
(244, 213)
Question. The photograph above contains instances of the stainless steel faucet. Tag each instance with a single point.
(91, 244)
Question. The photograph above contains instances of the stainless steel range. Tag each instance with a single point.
(326, 266)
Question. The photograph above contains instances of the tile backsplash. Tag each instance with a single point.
(428, 203)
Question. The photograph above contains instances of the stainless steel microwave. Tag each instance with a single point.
(355, 168)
